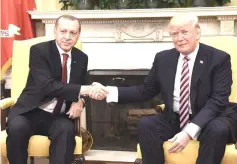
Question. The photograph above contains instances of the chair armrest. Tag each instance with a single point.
(162, 106)
(159, 108)
(6, 103)
(3, 81)
(77, 127)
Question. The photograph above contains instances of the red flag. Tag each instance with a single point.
(13, 15)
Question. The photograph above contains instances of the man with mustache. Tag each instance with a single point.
(51, 98)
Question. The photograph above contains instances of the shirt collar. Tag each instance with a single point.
(192, 55)
(61, 51)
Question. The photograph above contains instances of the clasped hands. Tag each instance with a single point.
(97, 91)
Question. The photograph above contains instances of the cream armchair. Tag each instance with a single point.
(38, 145)
(190, 153)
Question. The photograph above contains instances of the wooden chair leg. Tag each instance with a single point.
(79, 159)
(138, 161)
(32, 160)
(4, 160)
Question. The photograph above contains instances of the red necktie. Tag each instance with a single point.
(59, 104)
(184, 94)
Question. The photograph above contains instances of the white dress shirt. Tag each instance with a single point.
(176, 93)
(49, 107)
(192, 129)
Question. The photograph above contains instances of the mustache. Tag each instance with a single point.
(66, 42)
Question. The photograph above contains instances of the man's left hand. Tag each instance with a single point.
(75, 110)
(179, 142)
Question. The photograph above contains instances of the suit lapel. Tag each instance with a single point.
(171, 72)
(56, 60)
(73, 67)
(198, 68)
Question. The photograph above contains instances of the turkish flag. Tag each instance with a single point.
(15, 25)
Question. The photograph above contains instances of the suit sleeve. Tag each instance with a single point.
(85, 77)
(143, 92)
(219, 98)
(45, 82)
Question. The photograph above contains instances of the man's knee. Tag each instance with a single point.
(65, 126)
(145, 124)
(18, 126)
(217, 128)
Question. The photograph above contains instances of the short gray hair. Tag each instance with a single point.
(70, 17)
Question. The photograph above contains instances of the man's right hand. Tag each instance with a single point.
(97, 91)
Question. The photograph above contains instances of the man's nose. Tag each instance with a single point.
(180, 37)
(67, 35)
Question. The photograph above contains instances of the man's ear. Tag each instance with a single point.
(54, 31)
(198, 31)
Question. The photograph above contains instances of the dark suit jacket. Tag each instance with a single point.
(210, 84)
(44, 78)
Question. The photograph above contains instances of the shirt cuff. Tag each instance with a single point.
(113, 94)
(193, 130)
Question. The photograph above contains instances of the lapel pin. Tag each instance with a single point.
(201, 61)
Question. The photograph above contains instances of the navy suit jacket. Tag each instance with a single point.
(210, 84)
(44, 78)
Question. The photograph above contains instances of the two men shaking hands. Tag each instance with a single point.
(95, 91)
(98, 91)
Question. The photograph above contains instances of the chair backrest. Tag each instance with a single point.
(20, 63)
(229, 45)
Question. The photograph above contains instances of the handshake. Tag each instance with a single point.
(95, 91)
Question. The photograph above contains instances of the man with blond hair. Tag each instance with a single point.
(195, 81)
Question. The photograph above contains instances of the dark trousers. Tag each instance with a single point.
(154, 130)
(59, 129)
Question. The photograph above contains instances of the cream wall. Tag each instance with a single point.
(233, 3)
(54, 4)
(48, 4)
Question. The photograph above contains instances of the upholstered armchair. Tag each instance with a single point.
(190, 153)
(38, 145)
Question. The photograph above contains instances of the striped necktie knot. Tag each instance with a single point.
(186, 58)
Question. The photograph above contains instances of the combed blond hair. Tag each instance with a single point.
(184, 18)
